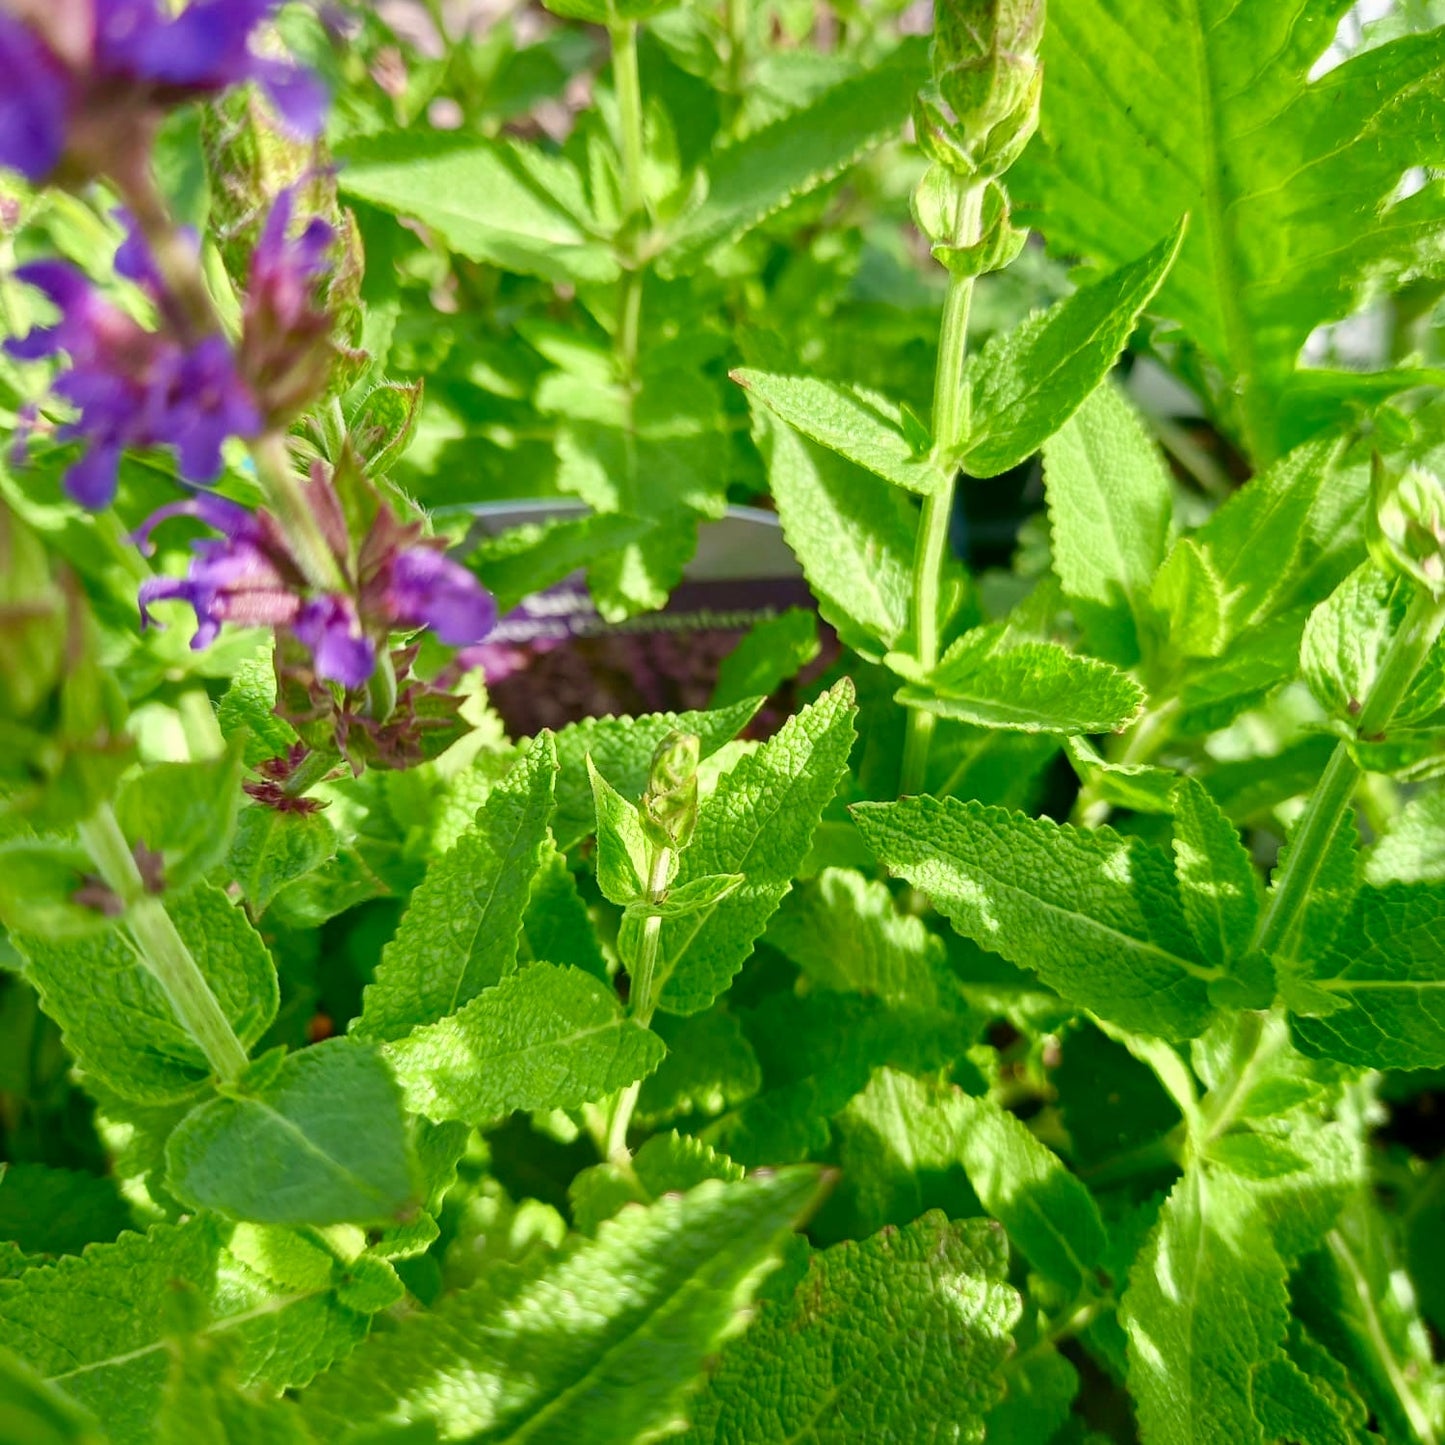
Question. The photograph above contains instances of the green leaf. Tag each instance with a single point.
(1292, 1406)
(863, 427)
(1096, 915)
(1040, 1389)
(1140, 787)
(1147, 116)
(1048, 1212)
(498, 202)
(749, 180)
(848, 934)
(1305, 515)
(621, 750)
(1110, 510)
(759, 822)
(545, 1038)
(58, 1211)
(1217, 882)
(1412, 847)
(556, 923)
(1205, 1309)
(460, 933)
(1025, 385)
(383, 424)
(272, 849)
(36, 1413)
(1188, 594)
(1033, 687)
(598, 1343)
(184, 811)
(622, 853)
(666, 1164)
(853, 538)
(771, 652)
(697, 896)
(709, 1067)
(99, 1327)
(39, 878)
(248, 707)
(1345, 642)
(902, 1336)
(530, 559)
(320, 1142)
(1385, 972)
(117, 1022)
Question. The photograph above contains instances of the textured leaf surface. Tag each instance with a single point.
(597, 1345)
(1217, 881)
(666, 1164)
(1026, 384)
(1096, 915)
(497, 202)
(1033, 687)
(847, 933)
(1207, 109)
(546, 1038)
(459, 935)
(1305, 514)
(98, 1326)
(1386, 970)
(709, 1067)
(1205, 1308)
(853, 538)
(1110, 509)
(759, 822)
(119, 1024)
(865, 429)
(272, 848)
(323, 1142)
(900, 1337)
(750, 180)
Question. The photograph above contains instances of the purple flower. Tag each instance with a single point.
(425, 588)
(132, 387)
(342, 653)
(81, 76)
(242, 576)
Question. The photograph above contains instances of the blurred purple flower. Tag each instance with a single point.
(82, 75)
(331, 630)
(132, 387)
(425, 588)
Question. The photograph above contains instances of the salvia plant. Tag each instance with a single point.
(1006, 1004)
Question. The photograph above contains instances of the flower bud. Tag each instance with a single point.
(669, 806)
(1407, 523)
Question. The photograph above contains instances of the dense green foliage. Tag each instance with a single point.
(1014, 1009)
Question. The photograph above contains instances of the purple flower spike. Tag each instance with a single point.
(86, 81)
(330, 628)
(132, 387)
(425, 588)
(34, 101)
(243, 576)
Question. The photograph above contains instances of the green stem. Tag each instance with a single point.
(1420, 1423)
(312, 769)
(1331, 798)
(629, 115)
(162, 949)
(951, 421)
(288, 502)
(642, 1004)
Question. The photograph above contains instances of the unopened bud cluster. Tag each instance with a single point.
(973, 120)
(669, 806)
(1407, 524)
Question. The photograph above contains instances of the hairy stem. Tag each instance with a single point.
(162, 949)
(287, 501)
(625, 77)
(951, 421)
